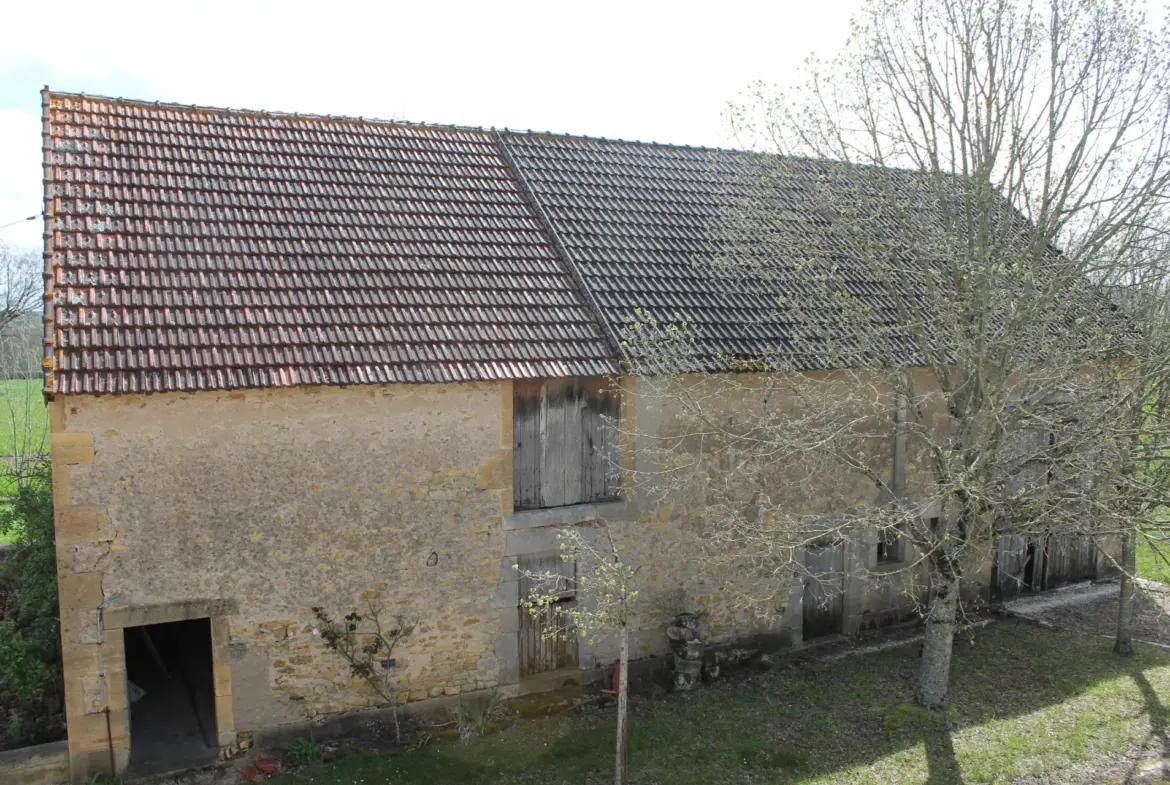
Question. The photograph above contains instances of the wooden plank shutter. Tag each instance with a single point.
(565, 447)
(560, 433)
(526, 444)
(601, 449)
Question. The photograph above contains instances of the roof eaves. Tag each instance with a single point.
(48, 313)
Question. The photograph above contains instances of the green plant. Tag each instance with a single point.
(104, 779)
(367, 645)
(484, 715)
(31, 694)
(23, 672)
(473, 722)
(604, 587)
(305, 751)
(29, 573)
(465, 728)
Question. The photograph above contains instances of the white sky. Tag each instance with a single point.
(634, 70)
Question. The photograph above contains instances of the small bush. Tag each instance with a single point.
(23, 672)
(304, 751)
(474, 722)
(31, 693)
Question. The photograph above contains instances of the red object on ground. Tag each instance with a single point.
(258, 769)
(267, 766)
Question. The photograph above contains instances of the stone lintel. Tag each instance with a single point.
(162, 613)
(573, 513)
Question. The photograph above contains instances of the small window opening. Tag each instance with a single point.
(172, 696)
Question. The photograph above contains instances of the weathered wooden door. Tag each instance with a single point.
(1018, 566)
(540, 653)
(824, 590)
(565, 444)
(1069, 558)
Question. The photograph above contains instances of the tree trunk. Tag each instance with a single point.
(935, 668)
(619, 773)
(1124, 644)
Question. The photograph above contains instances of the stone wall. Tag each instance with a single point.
(254, 507)
(251, 508)
(664, 536)
(44, 764)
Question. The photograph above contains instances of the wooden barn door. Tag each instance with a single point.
(1069, 558)
(539, 654)
(1018, 566)
(564, 447)
(824, 590)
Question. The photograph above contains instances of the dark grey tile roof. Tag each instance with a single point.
(636, 221)
(198, 248)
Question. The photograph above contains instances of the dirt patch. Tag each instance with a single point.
(1095, 612)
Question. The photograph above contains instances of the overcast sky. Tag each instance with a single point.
(632, 70)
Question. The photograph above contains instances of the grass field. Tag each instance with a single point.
(1026, 702)
(24, 427)
(24, 418)
(1153, 564)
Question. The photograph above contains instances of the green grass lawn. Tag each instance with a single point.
(1025, 701)
(24, 418)
(1151, 564)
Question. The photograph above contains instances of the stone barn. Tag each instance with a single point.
(298, 362)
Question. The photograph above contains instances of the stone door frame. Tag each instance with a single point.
(115, 621)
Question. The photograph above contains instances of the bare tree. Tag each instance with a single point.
(23, 424)
(1143, 481)
(20, 283)
(959, 195)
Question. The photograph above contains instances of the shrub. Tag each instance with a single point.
(303, 751)
(30, 646)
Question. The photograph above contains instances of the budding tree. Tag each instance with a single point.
(1141, 490)
(602, 588)
(940, 218)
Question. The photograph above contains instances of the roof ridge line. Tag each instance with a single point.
(278, 115)
(381, 121)
(619, 140)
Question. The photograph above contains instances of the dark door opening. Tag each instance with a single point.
(1030, 566)
(824, 590)
(172, 696)
(1018, 567)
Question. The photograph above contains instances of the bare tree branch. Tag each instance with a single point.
(964, 233)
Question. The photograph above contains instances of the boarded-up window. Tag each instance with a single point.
(565, 444)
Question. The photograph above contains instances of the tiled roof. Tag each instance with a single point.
(635, 218)
(197, 248)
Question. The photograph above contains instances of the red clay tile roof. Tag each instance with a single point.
(196, 249)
